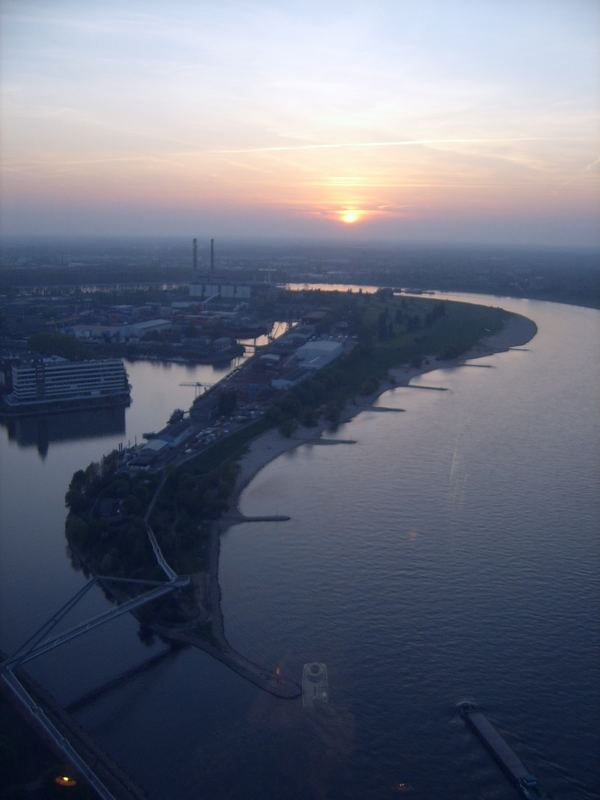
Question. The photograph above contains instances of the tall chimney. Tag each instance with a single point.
(212, 256)
(195, 254)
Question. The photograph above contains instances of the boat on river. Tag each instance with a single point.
(512, 765)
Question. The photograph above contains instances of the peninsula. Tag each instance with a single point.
(160, 508)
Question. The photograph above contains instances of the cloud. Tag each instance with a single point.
(356, 145)
(593, 166)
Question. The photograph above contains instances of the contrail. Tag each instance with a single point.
(398, 143)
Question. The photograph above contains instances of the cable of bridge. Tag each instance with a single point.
(94, 622)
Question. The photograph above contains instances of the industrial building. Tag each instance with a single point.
(121, 333)
(214, 286)
(318, 353)
(210, 288)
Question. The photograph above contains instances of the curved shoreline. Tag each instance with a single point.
(261, 451)
(518, 331)
(266, 448)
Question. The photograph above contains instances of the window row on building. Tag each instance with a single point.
(54, 379)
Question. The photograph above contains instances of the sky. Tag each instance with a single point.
(396, 120)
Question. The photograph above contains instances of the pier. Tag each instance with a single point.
(327, 442)
(427, 388)
(214, 643)
(237, 518)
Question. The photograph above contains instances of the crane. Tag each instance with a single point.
(197, 385)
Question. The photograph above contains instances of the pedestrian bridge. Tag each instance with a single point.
(40, 643)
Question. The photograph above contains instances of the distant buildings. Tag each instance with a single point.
(210, 288)
(122, 333)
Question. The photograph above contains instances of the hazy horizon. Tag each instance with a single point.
(267, 241)
(431, 122)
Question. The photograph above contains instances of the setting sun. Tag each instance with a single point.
(349, 216)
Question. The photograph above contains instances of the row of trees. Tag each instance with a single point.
(57, 344)
(105, 546)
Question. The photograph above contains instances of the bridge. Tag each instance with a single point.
(58, 728)
(158, 554)
(113, 785)
(38, 644)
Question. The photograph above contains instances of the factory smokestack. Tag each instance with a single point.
(195, 254)
(212, 256)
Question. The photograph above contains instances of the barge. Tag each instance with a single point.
(525, 782)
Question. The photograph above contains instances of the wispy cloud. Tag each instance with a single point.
(363, 145)
(593, 166)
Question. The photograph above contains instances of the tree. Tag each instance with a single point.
(275, 415)
(107, 564)
(146, 635)
(75, 496)
(176, 416)
(287, 427)
(57, 344)
(119, 487)
(227, 402)
(369, 386)
(310, 418)
(333, 412)
(382, 326)
(77, 529)
(132, 506)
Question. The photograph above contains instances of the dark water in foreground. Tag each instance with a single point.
(451, 553)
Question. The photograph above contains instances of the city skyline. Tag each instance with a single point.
(431, 121)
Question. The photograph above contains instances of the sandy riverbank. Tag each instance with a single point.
(265, 448)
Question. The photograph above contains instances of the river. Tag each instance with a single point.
(451, 553)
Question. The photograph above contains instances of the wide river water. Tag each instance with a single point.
(451, 553)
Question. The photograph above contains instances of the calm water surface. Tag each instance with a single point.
(451, 553)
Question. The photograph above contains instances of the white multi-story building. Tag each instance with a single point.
(55, 380)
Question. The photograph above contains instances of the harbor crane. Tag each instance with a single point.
(197, 385)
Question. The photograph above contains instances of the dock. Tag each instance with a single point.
(237, 518)
(525, 782)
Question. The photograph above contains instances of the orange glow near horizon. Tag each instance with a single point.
(436, 137)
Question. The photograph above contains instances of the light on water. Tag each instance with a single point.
(450, 553)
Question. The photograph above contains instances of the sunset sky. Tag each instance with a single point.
(428, 120)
